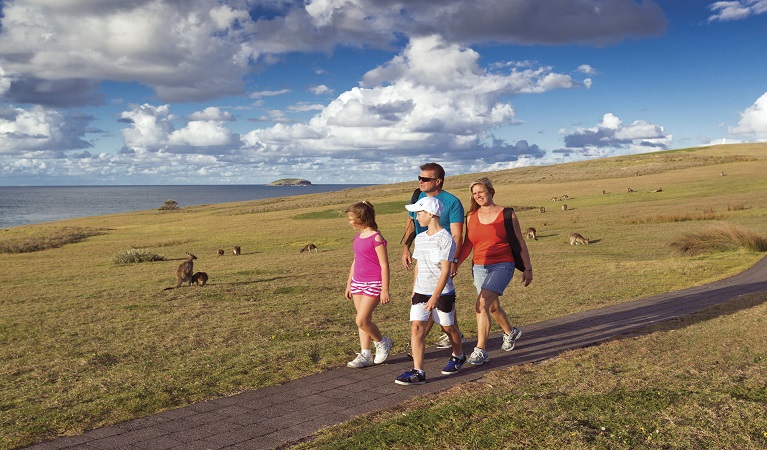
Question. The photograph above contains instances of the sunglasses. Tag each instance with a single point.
(426, 179)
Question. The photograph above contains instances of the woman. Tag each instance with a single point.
(493, 265)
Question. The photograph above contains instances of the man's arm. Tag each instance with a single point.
(456, 229)
(407, 239)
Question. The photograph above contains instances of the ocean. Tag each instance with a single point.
(39, 204)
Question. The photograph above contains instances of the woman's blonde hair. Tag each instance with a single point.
(484, 182)
(364, 213)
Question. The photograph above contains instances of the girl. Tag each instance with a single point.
(368, 282)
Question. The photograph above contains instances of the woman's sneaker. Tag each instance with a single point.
(382, 350)
(411, 377)
(360, 361)
(510, 339)
(444, 341)
(454, 365)
(478, 357)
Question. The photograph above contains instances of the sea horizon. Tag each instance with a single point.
(28, 205)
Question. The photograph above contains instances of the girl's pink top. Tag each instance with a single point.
(366, 264)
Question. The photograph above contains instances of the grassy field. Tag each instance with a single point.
(86, 342)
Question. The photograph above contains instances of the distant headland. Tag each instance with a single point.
(291, 182)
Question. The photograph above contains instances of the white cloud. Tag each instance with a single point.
(212, 113)
(587, 69)
(611, 137)
(203, 49)
(319, 90)
(38, 131)
(725, 11)
(433, 96)
(753, 120)
(152, 128)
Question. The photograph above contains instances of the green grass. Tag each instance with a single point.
(86, 343)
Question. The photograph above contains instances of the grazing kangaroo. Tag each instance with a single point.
(200, 278)
(543, 209)
(564, 207)
(657, 190)
(220, 252)
(530, 233)
(236, 250)
(576, 238)
(185, 270)
(631, 190)
(309, 247)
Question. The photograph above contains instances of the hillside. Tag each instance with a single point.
(87, 342)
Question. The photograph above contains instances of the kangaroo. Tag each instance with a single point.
(200, 278)
(309, 247)
(236, 250)
(630, 190)
(564, 207)
(530, 233)
(220, 252)
(543, 209)
(576, 238)
(185, 270)
(657, 190)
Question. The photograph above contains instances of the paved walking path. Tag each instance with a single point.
(278, 415)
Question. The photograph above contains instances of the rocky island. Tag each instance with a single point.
(291, 182)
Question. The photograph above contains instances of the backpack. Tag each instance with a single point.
(516, 249)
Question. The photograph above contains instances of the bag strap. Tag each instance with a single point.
(407, 238)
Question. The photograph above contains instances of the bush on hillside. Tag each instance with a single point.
(719, 238)
(169, 205)
(136, 255)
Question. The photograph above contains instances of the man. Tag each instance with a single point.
(430, 182)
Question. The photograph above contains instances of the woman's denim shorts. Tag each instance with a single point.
(493, 277)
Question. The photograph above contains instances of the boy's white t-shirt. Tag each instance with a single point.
(429, 252)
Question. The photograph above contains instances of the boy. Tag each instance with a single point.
(433, 292)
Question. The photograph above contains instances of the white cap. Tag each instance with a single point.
(431, 205)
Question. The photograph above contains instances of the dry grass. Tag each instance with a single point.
(721, 237)
(35, 239)
(85, 342)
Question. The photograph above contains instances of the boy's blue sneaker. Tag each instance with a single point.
(411, 377)
(454, 365)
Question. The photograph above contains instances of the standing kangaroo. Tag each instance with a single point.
(576, 238)
(530, 233)
(564, 207)
(185, 270)
(236, 250)
(220, 252)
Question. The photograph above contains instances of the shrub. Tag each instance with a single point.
(136, 255)
(169, 205)
(719, 238)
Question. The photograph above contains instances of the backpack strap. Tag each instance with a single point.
(511, 236)
(407, 238)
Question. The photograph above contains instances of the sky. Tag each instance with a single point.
(133, 92)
